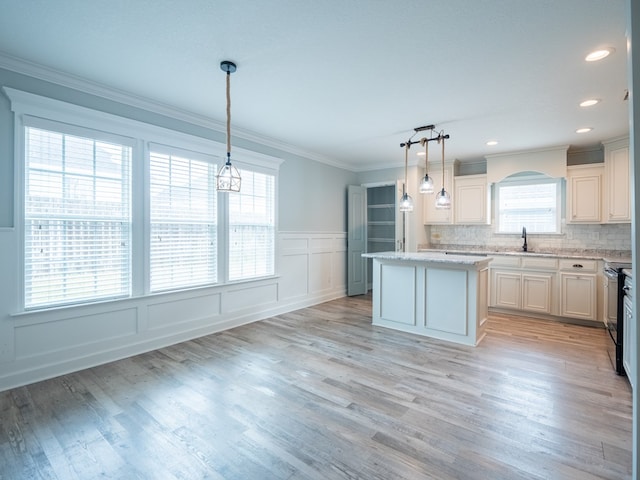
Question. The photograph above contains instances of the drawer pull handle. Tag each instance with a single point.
(577, 265)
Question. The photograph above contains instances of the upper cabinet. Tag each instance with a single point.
(584, 193)
(617, 199)
(471, 200)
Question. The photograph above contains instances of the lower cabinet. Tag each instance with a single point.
(544, 285)
(523, 291)
(577, 296)
(579, 289)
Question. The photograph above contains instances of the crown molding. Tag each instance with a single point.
(47, 74)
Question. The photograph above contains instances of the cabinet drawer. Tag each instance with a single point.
(505, 261)
(540, 263)
(578, 265)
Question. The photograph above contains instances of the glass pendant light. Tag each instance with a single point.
(228, 178)
(426, 184)
(443, 199)
(406, 202)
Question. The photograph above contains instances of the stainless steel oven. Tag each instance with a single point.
(614, 311)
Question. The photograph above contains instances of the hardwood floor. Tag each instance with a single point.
(321, 394)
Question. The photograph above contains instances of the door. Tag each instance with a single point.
(356, 241)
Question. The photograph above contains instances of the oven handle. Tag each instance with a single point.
(611, 272)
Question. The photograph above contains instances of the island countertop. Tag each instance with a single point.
(433, 257)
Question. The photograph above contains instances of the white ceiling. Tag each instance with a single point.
(347, 80)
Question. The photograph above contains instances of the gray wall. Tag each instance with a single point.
(312, 195)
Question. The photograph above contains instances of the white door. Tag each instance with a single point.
(356, 241)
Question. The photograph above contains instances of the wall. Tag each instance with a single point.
(310, 257)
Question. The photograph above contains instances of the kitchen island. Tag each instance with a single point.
(434, 294)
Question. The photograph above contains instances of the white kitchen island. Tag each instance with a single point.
(431, 293)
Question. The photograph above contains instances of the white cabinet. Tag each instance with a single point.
(523, 283)
(584, 193)
(505, 289)
(432, 215)
(618, 196)
(536, 292)
(551, 286)
(578, 289)
(471, 200)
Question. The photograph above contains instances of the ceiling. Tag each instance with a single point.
(345, 81)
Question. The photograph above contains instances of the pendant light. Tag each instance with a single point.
(228, 178)
(443, 199)
(406, 202)
(426, 184)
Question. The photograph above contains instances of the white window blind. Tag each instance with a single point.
(252, 227)
(183, 250)
(77, 219)
(533, 204)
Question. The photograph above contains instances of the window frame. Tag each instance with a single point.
(142, 136)
(529, 179)
(97, 137)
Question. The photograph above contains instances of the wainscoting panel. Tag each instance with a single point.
(241, 297)
(37, 339)
(310, 269)
(312, 265)
(167, 314)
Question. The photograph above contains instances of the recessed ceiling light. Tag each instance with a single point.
(589, 103)
(491, 143)
(584, 130)
(599, 54)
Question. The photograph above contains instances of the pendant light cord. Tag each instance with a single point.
(228, 115)
(442, 161)
(406, 160)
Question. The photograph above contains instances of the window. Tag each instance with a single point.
(111, 208)
(252, 227)
(183, 245)
(530, 201)
(77, 220)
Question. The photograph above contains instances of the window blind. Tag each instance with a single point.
(183, 241)
(252, 227)
(531, 205)
(77, 219)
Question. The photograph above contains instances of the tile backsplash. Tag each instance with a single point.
(574, 238)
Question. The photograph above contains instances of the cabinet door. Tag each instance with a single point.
(536, 292)
(578, 296)
(584, 198)
(505, 291)
(432, 215)
(470, 201)
(618, 185)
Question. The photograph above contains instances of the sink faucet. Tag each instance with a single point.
(524, 235)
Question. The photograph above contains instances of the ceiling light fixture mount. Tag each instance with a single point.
(228, 178)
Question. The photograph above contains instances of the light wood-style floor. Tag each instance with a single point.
(321, 394)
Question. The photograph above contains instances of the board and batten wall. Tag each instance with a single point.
(310, 253)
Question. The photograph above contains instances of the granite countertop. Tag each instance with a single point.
(465, 258)
(607, 256)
